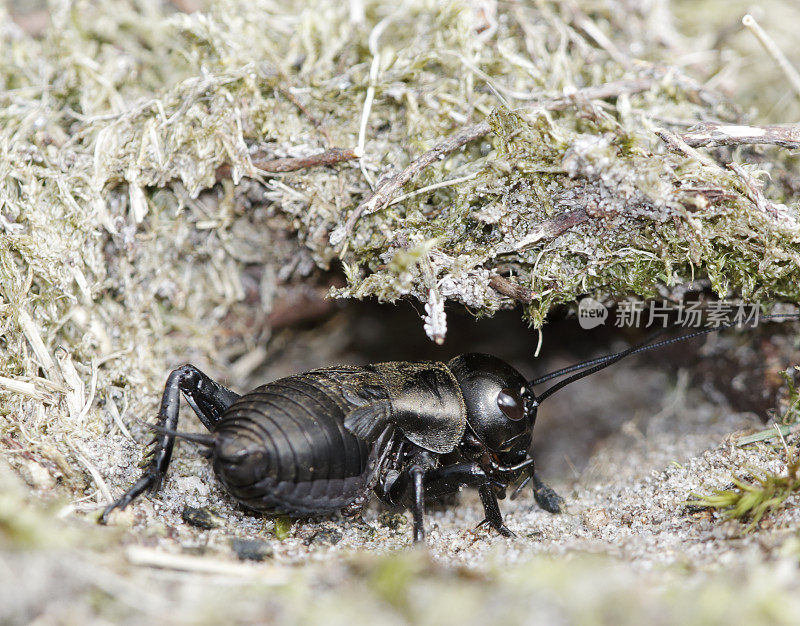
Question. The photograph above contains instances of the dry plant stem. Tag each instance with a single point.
(731, 135)
(439, 185)
(548, 229)
(585, 23)
(95, 474)
(511, 289)
(302, 108)
(554, 227)
(773, 51)
(387, 187)
(17, 448)
(783, 441)
(600, 92)
(31, 332)
(754, 189)
(374, 71)
(26, 389)
(292, 164)
(150, 557)
(677, 144)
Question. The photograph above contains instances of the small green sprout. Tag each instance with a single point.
(792, 413)
(790, 417)
(283, 527)
(753, 497)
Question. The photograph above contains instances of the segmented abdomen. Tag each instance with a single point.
(297, 458)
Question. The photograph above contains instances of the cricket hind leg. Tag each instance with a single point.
(417, 475)
(207, 398)
(411, 481)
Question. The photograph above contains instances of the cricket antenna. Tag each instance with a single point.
(209, 441)
(595, 365)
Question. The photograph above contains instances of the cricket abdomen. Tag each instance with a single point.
(283, 447)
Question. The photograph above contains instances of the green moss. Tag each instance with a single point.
(761, 492)
(393, 578)
(754, 496)
(23, 526)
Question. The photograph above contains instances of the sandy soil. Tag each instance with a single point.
(626, 549)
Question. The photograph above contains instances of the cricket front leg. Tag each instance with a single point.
(451, 478)
(491, 509)
(545, 496)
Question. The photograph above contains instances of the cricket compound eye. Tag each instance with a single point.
(511, 404)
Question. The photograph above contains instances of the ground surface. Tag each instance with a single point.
(626, 548)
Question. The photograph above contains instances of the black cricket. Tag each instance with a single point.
(321, 441)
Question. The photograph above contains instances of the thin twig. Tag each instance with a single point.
(439, 185)
(677, 144)
(553, 227)
(754, 188)
(302, 108)
(151, 557)
(388, 187)
(292, 164)
(587, 25)
(18, 449)
(733, 135)
(600, 92)
(773, 51)
(548, 229)
(511, 289)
